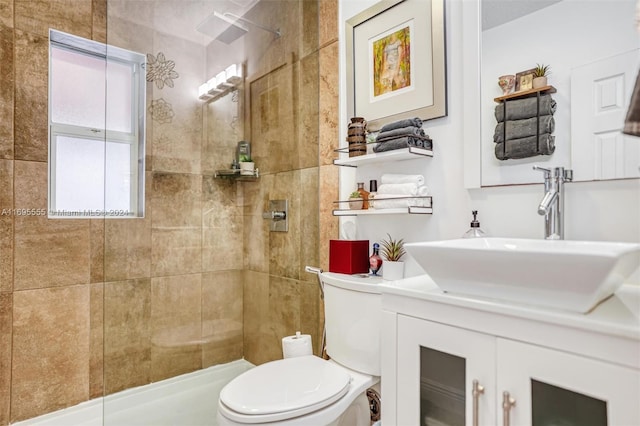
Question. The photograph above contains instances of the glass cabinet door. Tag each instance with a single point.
(553, 388)
(437, 370)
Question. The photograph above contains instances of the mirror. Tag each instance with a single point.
(592, 49)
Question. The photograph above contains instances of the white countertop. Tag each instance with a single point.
(619, 315)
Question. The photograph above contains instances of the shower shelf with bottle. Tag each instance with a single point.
(410, 153)
(234, 174)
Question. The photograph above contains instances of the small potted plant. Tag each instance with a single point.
(247, 166)
(356, 202)
(392, 251)
(540, 73)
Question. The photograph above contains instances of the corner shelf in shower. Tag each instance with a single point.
(234, 174)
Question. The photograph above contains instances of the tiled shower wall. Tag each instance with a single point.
(88, 308)
(292, 97)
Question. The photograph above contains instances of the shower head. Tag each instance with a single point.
(231, 28)
(234, 30)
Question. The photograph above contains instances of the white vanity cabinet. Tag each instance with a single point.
(457, 361)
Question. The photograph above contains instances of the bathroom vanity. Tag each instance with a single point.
(467, 361)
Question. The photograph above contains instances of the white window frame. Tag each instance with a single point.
(135, 139)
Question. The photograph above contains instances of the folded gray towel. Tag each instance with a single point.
(415, 122)
(525, 147)
(526, 108)
(400, 131)
(403, 142)
(522, 128)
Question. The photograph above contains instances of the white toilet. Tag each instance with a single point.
(311, 391)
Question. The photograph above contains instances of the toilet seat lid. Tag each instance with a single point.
(285, 388)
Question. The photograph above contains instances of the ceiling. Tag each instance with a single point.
(498, 12)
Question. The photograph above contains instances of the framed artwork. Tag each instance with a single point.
(396, 62)
(524, 80)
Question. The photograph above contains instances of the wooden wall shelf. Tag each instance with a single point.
(526, 93)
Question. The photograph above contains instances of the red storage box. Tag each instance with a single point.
(349, 256)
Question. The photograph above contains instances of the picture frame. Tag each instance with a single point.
(396, 64)
(524, 80)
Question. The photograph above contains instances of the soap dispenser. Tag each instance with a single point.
(474, 231)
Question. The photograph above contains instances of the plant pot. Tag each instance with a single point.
(356, 203)
(392, 271)
(247, 168)
(539, 82)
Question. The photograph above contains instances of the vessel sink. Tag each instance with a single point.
(562, 274)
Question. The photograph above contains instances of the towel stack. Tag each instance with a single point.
(398, 190)
(515, 133)
(402, 134)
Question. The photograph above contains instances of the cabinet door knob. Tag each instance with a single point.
(507, 403)
(476, 391)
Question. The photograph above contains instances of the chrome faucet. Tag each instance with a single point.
(552, 204)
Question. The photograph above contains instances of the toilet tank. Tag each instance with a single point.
(352, 309)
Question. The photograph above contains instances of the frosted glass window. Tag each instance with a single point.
(119, 96)
(79, 174)
(98, 174)
(96, 129)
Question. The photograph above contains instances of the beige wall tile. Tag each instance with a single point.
(271, 312)
(176, 200)
(255, 314)
(71, 16)
(308, 26)
(31, 119)
(328, 100)
(96, 243)
(310, 312)
(222, 330)
(127, 334)
(5, 356)
(6, 13)
(307, 112)
(224, 128)
(99, 20)
(176, 251)
(48, 252)
(51, 376)
(273, 123)
(6, 225)
(127, 249)
(222, 221)
(309, 220)
(176, 330)
(329, 224)
(328, 21)
(177, 146)
(256, 229)
(285, 247)
(7, 86)
(96, 341)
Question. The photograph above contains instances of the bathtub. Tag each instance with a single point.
(189, 399)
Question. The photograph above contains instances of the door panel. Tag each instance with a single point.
(565, 389)
(429, 379)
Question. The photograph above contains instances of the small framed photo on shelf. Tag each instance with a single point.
(524, 80)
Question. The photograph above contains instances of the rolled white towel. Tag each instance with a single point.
(412, 189)
(398, 178)
(398, 188)
(394, 201)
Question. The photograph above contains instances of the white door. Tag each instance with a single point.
(597, 119)
(557, 388)
(436, 369)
